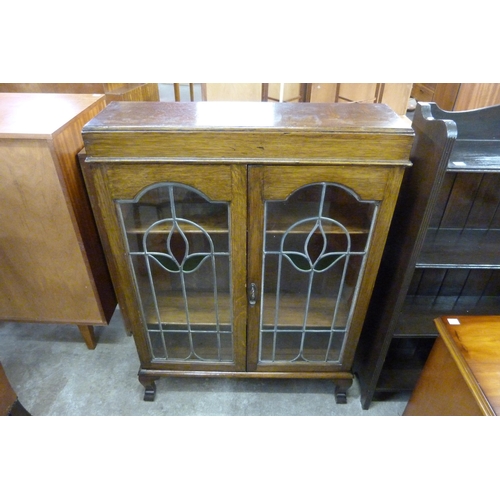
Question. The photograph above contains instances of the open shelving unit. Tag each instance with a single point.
(443, 253)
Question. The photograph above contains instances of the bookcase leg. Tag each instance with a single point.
(341, 387)
(149, 387)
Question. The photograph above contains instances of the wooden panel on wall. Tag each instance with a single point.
(232, 91)
(395, 95)
(477, 95)
(291, 92)
(458, 96)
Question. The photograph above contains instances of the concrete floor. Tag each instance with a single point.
(54, 374)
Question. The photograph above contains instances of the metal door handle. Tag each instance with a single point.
(252, 294)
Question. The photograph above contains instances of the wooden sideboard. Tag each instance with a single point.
(462, 374)
(111, 91)
(52, 265)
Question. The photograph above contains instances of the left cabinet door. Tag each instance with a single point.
(176, 235)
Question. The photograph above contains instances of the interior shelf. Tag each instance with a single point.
(201, 310)
(465, 248)
(418, 313)
(475, 155)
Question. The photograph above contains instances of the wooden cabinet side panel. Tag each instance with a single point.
(477, 95)
(441, 389)
(44, 275)
(420, 189)
(67, 143)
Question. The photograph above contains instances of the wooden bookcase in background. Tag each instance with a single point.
(442, 253)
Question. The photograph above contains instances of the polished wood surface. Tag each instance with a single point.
(462, 374)
(243, 131)
(56, 270)
(112, 91)
(245, 154)
(40, 116)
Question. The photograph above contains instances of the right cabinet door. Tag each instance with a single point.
(315, 235)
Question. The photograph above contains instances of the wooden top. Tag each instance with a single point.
(39, 116)
(260, 131)
(248, 115)
(474, 344)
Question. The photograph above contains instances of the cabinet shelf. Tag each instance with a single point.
(418, 313)
(464, 248)
(475, 155)
(172, 311)
(217, 223)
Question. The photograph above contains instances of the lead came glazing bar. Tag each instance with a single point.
(323, 230)
(179, 258)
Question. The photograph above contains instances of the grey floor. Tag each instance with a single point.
(54, 374)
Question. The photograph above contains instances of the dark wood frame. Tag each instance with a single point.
(127, 149)
(449, 148)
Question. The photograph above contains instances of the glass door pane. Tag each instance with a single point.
(315, 246)
(179, 250)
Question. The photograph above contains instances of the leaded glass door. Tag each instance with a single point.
(307, 270)
(185, 243)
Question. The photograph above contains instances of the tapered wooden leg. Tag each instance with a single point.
(341, 387)
(87, 332)
(149, 387)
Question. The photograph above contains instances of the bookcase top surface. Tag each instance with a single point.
(353, 117)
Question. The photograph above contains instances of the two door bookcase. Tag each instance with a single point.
(442, 256)
(244, 238)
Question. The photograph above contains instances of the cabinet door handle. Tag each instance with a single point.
(252, 294)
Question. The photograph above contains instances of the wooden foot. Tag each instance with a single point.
(341, 387)
(87, 332)
(149, 387)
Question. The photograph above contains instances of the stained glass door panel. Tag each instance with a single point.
(315, 244)
(179, 249)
